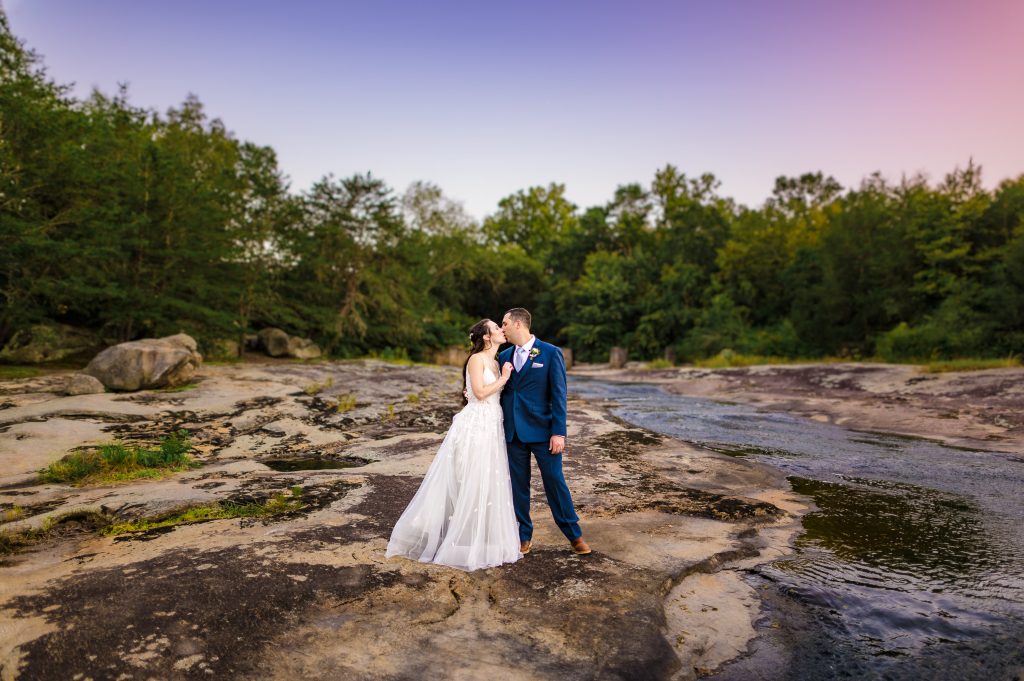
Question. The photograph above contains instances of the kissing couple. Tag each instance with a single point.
(472, 509)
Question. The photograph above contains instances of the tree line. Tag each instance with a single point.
(136, 223)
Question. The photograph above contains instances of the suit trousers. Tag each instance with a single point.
(559, 498)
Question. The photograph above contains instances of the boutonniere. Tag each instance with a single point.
(534, 352)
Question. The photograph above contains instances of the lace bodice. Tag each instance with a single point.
(489, 378)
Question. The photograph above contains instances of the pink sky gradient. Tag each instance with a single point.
(485, 99)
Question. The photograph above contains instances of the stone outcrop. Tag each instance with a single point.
(277, 343)
(47, 343)
(147, 363)
(309, 593)
(273, 341)
(83, 384)
(302, 348)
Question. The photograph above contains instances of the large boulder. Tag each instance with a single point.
(47, 343)
(147, 363)
(302, 348)
(83, 384)
(273, 341)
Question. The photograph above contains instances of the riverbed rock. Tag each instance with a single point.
(302, 348)
(617, 357)
(83, 384)
(273, 341)
(47, 343)
(222, 348)
(147, 363)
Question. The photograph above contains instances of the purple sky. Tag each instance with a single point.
(488, 98)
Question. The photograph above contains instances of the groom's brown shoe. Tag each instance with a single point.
(579, 546)
(524, 547)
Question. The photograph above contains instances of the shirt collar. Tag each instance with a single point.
(528, 345)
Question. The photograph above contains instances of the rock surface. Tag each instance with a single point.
(309, 594)
(83, 384)
(983, 409)
(147, 363)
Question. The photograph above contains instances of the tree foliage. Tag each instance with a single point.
(132, 223)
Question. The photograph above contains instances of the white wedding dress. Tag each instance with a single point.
(462, 514)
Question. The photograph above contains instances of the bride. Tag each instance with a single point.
(462, 514)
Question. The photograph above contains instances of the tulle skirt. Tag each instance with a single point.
(462, 514)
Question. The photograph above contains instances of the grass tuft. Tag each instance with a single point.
(11, 542)
(658, 364)
(317, 387)
(276, 505)
(345, 403)
(9, 515)
(118, 461)
(942, 366)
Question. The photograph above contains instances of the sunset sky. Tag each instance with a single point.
(488, 98)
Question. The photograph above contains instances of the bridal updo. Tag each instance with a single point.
(477, 339)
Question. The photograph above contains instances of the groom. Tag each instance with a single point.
(534, 406)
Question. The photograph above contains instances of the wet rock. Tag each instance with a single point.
(83, 384)
(147, 363)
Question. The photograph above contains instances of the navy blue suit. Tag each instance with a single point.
(534, 405)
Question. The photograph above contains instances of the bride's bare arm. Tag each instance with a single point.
(476, 378)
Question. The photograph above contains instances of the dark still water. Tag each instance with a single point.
(911, 568)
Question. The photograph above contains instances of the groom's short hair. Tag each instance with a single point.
(520, 314)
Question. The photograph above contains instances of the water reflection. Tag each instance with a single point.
(907, 530)
(911, 567)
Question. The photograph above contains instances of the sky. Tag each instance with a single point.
(487, 98)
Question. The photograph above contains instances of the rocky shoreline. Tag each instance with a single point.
(308, 593)
(971, 409)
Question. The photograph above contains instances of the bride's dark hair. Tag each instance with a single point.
(477, 338)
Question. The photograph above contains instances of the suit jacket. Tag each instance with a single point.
(534, 399)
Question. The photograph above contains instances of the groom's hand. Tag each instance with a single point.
(557, 444)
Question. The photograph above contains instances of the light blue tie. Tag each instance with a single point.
(520, 358)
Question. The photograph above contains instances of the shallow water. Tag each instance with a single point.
(912, 566)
